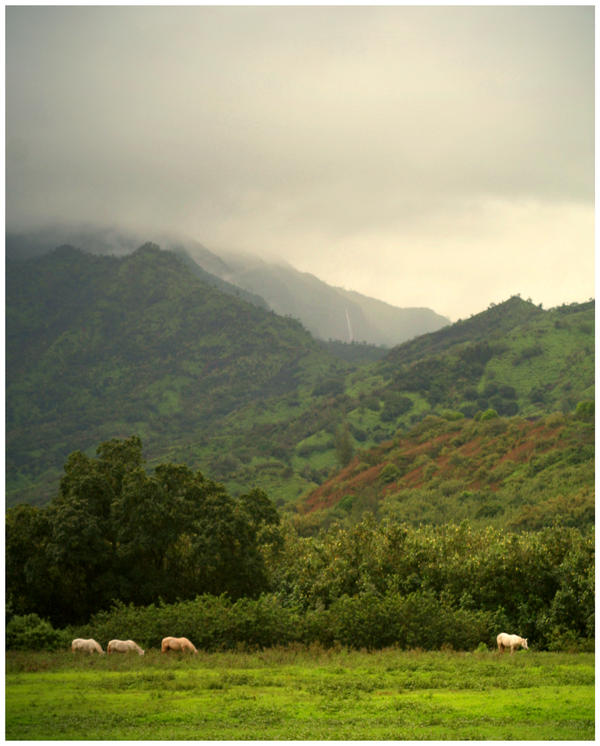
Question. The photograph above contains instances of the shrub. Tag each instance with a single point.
(210, 622)
(489, 414)
(389, 473)
(416, 620)
(585, 411)
(451, 415)
(29, 632)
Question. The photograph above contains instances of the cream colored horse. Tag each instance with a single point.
(86, 646)
(511, 641)
(123, 646)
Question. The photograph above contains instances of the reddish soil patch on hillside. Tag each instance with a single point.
(535, 437)
(331, 492)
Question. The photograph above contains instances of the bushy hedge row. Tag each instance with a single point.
(216, 623)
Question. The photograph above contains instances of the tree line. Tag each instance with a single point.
(116, 532)
(124, 551)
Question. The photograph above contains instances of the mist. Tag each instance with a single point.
(426, 156)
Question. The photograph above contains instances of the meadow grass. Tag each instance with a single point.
(301, 693)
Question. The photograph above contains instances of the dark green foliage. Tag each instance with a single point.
(417, 620)
(211, 622)
(355, 352)
(29, 632)
(116, 532)
(100, 347)
(344, 448)
(585, 411)
(379, 585)
(394, 405)
(329, 387)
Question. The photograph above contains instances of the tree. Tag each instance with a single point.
(585, 411)
(344, 447)
(28, 580)
(116, 532)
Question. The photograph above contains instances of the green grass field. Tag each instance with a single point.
(301, 694)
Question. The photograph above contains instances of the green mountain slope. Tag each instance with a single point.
(310, 434)
(327, 312)
(508, 472)
(513, 357)
(99, 347)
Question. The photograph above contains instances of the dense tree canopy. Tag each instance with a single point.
(122, 538)
(117, 532)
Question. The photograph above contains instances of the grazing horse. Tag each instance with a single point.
(86, 646)
(123, 646)
(177, 643)
(511, 641)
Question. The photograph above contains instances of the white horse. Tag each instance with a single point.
(86, 646)
(511, 641)
(123, 646)
(177, 643)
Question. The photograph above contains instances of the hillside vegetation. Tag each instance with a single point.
(101, 347)
(513, 358)
(228, 572)
(508, 472)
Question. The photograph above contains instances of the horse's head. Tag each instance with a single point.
(524, 644)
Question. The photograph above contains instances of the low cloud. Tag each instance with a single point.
(346, 137)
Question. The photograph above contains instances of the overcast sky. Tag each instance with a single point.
(426, 156)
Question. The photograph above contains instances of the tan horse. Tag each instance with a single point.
(177, 643)
(511, 641)
(123, 646)
(86, 646)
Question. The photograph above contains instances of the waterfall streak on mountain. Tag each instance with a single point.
(350, 335)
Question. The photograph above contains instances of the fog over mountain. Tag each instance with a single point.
(327, 312)
(425, 156)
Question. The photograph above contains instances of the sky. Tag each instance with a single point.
(437, 156)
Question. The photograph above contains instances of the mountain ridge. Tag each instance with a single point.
(101, 347)
(326, 311)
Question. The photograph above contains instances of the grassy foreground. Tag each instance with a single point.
(301, 694)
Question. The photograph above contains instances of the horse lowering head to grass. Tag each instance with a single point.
(511, 641)
(177, 643)
(123, 646)
(86, 646)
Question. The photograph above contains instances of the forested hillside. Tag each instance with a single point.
(471, 450)
(327, 312)
(507, 472)
(521, 361)
(101, 347)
